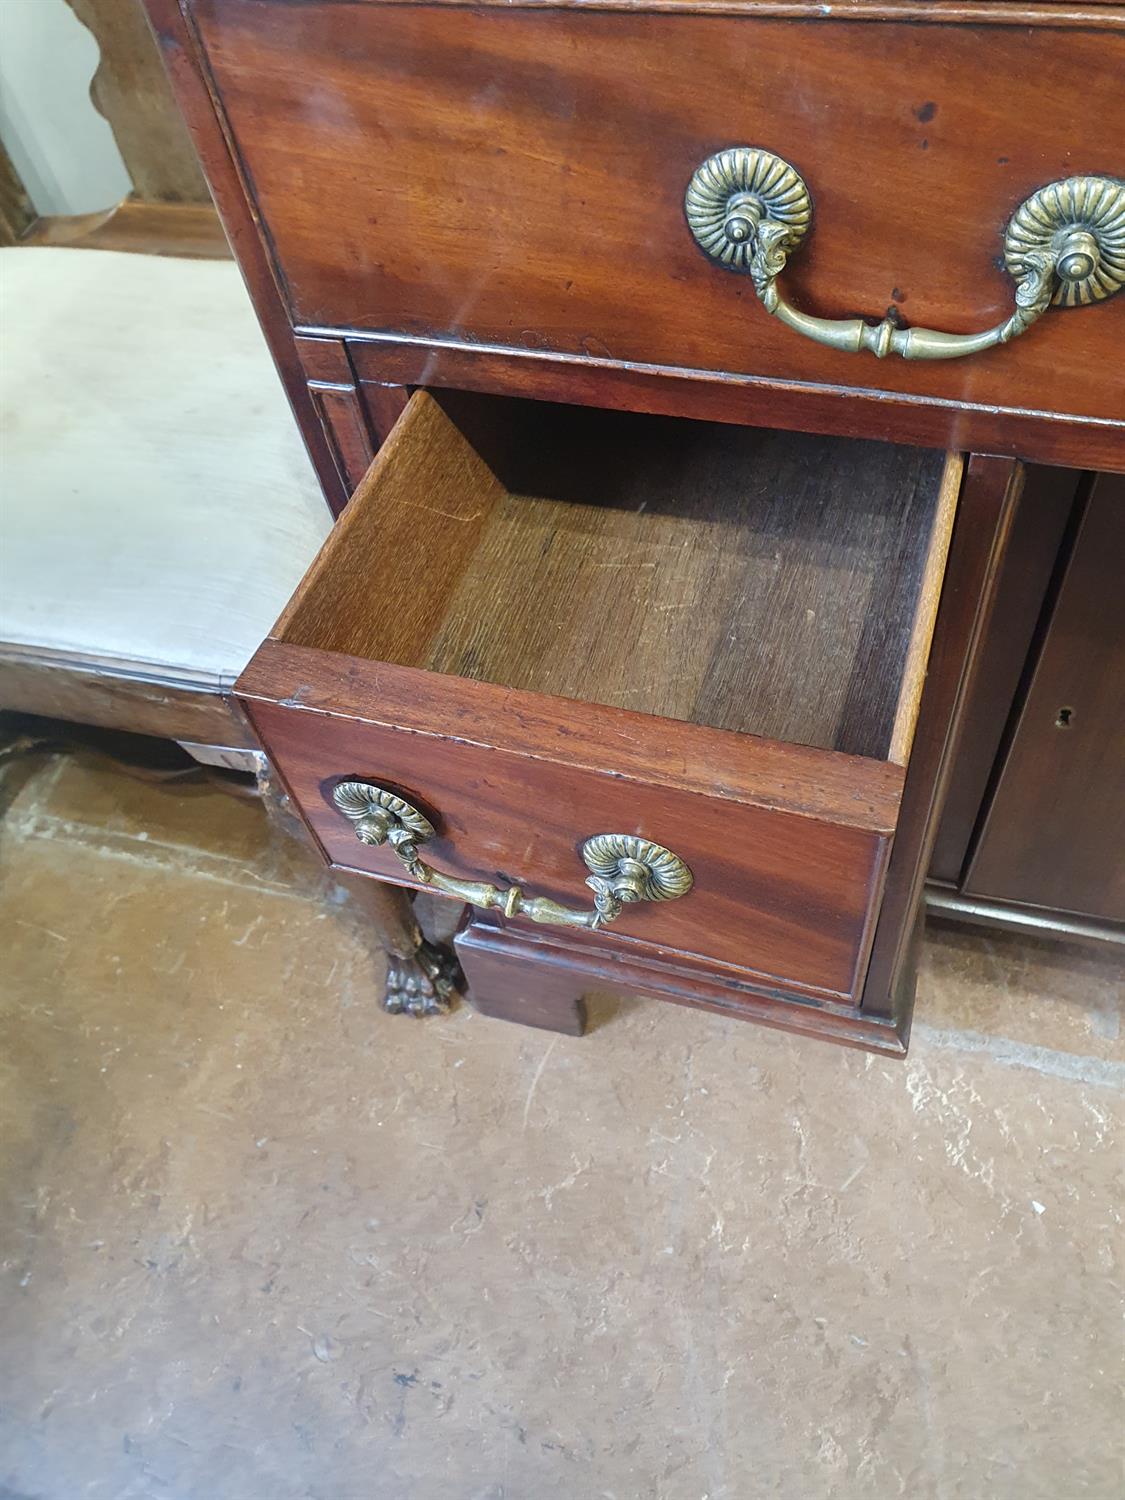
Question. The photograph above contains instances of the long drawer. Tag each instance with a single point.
(536, 624)
(449, 186)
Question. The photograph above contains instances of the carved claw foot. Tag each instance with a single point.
(423, 984)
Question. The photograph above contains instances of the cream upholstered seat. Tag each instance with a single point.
(157, 506)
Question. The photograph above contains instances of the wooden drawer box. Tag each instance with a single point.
(537, 623)
(493, 197)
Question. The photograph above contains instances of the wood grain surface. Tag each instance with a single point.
(515, 177)
(787, 841)
(770, 774)
(762, 583)
(784, 899)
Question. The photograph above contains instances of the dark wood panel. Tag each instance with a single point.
(342, 411)
(326, 360)
(989, 497)
(523, 175)
(1055, 830)
(751, 581)
(384, 405)
(1021, 589)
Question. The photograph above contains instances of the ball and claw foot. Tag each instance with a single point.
(423, 984)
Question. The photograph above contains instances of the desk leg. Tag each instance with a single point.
(514, 987)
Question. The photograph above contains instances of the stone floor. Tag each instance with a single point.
(262, 1242)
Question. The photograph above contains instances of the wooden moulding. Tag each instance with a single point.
(722, 396)
(577, 970)
(1099, 14)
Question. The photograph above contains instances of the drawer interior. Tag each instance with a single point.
(767, 583)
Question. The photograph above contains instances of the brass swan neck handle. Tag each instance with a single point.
(623, 868)
(750, 210)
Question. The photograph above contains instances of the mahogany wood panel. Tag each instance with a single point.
(756, 582)
(1030, 560)
(782, 898)
(1055, 830)
(509, 965)
(516, 177)
(384, 404)
(989, 497)
(326, 360)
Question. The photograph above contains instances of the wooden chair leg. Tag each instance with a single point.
(512, 986)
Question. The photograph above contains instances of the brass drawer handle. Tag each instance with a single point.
(623, 868)
(750, 210)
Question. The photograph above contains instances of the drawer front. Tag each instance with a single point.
(514, 784)
(516, 179)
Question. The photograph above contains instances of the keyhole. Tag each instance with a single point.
(1064, 718)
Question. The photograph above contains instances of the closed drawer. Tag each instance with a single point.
(539, 623)
(492, 180)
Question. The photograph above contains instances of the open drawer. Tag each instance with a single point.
(538, 623)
